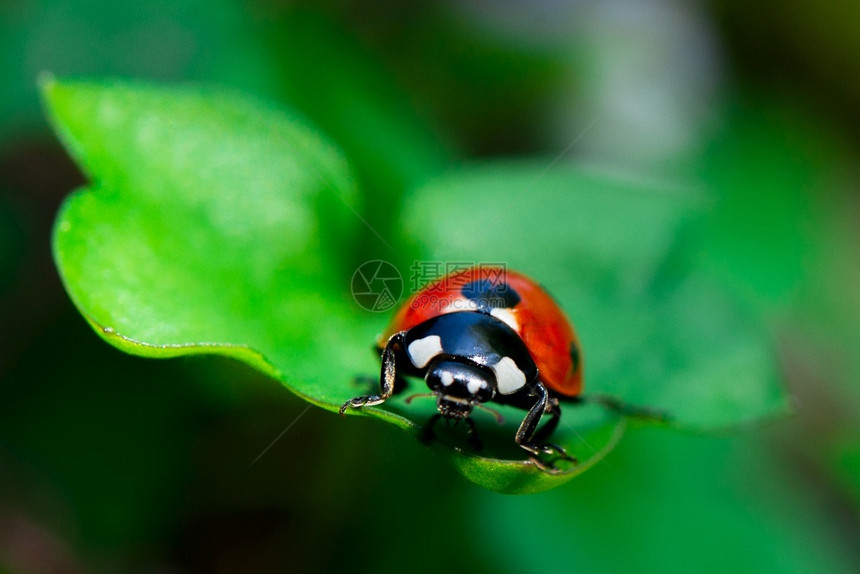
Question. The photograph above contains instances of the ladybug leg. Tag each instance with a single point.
(525, 436)
(427, 435)
(474, 440)
(387, 378)
(370, 382)
(549, 427)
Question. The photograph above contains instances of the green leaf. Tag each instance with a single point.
(671, 502)
(358, 104)
(765, 161)
(653, 333)
(215, 223)
(590, 437)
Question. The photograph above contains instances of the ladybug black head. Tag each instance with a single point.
(458, 386)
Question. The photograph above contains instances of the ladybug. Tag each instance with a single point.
(484, 334)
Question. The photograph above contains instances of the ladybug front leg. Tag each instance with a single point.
(525, 434)
(387, 377)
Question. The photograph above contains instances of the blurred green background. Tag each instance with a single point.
(111, 463)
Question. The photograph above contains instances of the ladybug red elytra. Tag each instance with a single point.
(484, 334)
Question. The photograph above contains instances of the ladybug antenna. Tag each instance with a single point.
(499, 418)
(420, 396)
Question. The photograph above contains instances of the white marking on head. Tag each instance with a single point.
(509, 378)
(447, 378)
(421, 351)
(474, 385)
(506, 316)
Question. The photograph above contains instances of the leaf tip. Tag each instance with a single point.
(50, 89)
(46, 80)
(48, 85)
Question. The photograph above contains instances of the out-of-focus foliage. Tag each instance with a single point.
(654, 334)
(212, 225)
(11, 240)
(114, 463)
(190, 39)
(676, 500)
(764, 239)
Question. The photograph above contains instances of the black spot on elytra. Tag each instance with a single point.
(574, 356)
(489, 295)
